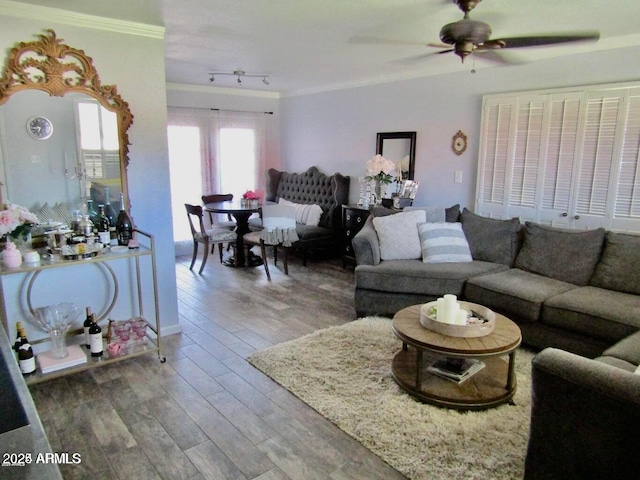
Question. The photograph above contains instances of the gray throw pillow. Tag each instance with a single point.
(452, 214)
(566, 255)
(619, 266)
(379, 211)
(491, 240)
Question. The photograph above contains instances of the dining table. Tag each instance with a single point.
(241, 211)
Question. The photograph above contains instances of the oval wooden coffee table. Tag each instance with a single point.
(494, 385)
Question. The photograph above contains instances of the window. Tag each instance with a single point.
(186, 178)
(566, 158)
(212, 152)
(237, 158)
(99, 143)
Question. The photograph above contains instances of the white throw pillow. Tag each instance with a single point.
(306, 214)
(398, 235)
(443, 242)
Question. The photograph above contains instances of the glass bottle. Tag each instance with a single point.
(26, 358)
(111, 214)
(124, 227)
(76, 219)
(86, 227)
(16, 345)
(91, 211)
(104, 234)
(85, 327)
(95, 337)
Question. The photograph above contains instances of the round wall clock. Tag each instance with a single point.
(459, 143)
(39, 127)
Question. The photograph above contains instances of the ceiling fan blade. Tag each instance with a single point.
(439, 45)
(407, 61)
(491, 56)
(535, 41)
(367, 40)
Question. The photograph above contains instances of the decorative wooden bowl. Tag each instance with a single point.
(482, 321)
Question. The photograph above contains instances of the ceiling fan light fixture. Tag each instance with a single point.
(463, 49)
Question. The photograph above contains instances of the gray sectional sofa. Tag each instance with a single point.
(585, 415)
(574, 290)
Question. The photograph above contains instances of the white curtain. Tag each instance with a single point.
(212, 151)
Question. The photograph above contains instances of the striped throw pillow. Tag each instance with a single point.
(443, 242)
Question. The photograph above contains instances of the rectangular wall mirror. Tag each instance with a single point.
(395, 146)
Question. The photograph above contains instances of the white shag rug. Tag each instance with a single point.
(344, 373)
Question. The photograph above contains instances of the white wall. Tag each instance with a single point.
(337, 130)
(136, 65)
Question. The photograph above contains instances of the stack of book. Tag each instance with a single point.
(455, 369)
(48, 364)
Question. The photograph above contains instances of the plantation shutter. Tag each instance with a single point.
(494, 157)
(627, 203)
(560, 158)
(598, 151)
(565, 158)
(528, 145)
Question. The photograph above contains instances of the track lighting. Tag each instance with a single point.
(240, 74)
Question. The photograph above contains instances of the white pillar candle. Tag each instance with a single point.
(440, 309)
(461, 317)
(450, 308)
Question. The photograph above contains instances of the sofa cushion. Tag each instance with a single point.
(413, 277)
(619, 266)
(311, 232)
(306, 214)
(566, 255)
(491, 240)
(433, 214)
(515, 293)
(398, 235)
(594, 312)
(443, 242)
(627, 349)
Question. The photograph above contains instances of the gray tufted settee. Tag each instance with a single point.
(312, 187)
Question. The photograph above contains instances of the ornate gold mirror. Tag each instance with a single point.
(63, 134)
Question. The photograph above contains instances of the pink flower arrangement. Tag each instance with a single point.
(251, 195)
(13, 216)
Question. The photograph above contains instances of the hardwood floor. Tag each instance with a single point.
(207, 413)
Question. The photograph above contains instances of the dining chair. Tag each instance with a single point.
(200, 234)
(219, 197)
(279, 230)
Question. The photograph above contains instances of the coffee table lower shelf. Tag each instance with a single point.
(487, 388)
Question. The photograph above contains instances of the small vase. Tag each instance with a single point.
(11, 257)
(377, 191)
(59, 342)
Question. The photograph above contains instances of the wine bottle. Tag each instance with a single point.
(93, 214)
(124, 227)
(111, 215)
(17, 343)
(26, 358)
(95, 337)
(103, 227)
(86, 325)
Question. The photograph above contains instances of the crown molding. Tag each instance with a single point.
(222, 90)
(67, 17)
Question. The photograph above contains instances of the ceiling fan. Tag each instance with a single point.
(471, 36)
